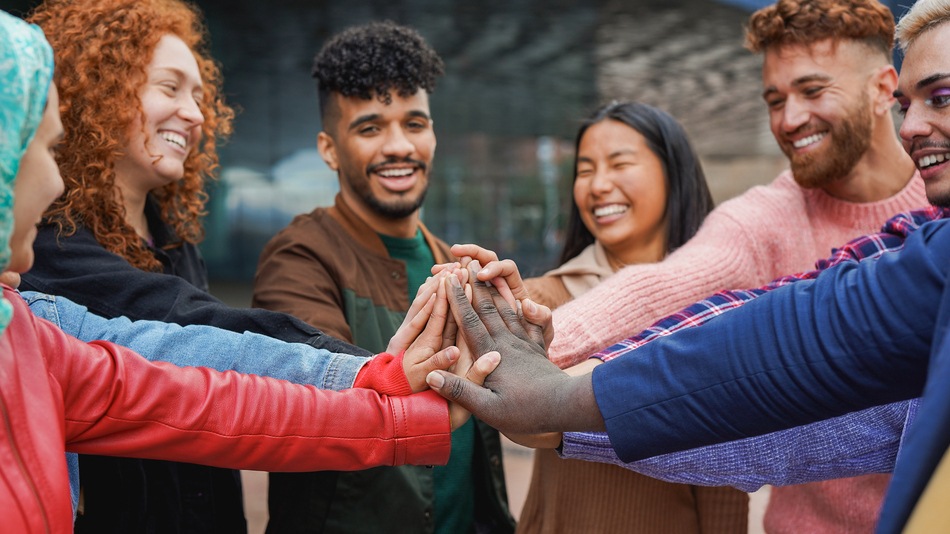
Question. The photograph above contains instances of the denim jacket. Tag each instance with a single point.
(197, 345)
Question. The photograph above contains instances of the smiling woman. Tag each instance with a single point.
(639, 193)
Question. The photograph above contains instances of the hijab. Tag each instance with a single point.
(26, 69)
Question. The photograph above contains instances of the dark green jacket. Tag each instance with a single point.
(331, 269)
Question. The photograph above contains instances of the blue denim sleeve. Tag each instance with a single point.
(855, 444)
(203, 346)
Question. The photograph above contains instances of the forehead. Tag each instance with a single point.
(609, 134)
(786, 63)
(352, 107)
(926, 57)
(172, 54)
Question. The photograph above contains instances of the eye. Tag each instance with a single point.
(417, 125)
(902, 105)
(368, 129)
(775, 103)
(584, 172)
(939, 98)
(812, 91)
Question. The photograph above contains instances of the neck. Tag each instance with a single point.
(883, 171)
(133, 201)
(404, 227)
(651, 252)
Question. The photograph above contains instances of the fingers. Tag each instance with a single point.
(411, 328)
(505, 270)
(471, 328)
(456, 389)
(474, 252)
(492, 310)
(483, 367)
(539, 322)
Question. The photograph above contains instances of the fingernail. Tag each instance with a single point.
(435, 380)
(529, 306)
(475, 266)
(454, 280)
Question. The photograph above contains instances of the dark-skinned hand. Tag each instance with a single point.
(526, 393)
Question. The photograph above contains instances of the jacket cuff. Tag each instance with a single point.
(422, 429)
(384, 374)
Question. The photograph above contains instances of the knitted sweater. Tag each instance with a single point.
(767, 232)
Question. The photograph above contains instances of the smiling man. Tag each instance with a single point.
(350, 269)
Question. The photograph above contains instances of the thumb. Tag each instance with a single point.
(456, 389)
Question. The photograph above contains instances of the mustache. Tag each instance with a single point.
(375, 166)
(928, 143)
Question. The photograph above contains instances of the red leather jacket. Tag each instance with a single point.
(59, 394)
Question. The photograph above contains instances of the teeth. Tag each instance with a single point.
(808, 140)
(173, 138)
(612, 209)
(395, 173)
(932, 159)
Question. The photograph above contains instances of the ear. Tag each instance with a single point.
(327, 149)
(883, 84)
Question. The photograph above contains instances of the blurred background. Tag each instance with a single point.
(520, 77)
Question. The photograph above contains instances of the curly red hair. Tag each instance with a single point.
(102, 49)
(809, 21)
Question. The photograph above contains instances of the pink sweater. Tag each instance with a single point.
(767, 232)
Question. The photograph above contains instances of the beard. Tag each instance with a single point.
(850, 140)
(405, 205)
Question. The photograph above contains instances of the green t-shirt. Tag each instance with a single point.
(454, 483)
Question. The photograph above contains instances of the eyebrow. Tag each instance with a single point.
(933, 78)
(612, 155)
(799, 82)
(370, 117)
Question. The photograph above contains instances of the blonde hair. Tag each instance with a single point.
(923, 16)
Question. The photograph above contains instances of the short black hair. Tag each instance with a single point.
(376, 58)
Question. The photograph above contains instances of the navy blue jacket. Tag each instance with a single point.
(857, 336)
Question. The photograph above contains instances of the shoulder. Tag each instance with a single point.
(548, 290)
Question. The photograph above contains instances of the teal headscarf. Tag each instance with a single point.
(26, 69)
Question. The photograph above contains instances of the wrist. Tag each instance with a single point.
(384, 374)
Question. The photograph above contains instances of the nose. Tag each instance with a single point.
(397, 145)
(190, 110)
(601, 182)
(915, 125)
(794, 114)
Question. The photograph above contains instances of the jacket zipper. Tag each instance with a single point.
(19, 461)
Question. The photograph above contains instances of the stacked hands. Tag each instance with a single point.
(488, 356)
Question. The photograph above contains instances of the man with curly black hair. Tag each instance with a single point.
(350, 270)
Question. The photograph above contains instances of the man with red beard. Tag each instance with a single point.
(350, 269)
(828, 83)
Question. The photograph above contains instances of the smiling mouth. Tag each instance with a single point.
(607, 211)
(810, 140)
(174, 138)
(931, 160)
(396, 173)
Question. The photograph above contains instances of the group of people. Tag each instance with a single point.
(163, 390)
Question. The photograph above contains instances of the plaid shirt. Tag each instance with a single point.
(890, 239)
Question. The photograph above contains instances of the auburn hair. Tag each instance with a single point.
(809, 21)
(102, 49)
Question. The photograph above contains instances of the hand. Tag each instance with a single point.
(494, 270)
(476, 374)
(546, 440)
(429, 351)
(414, 322)
(10, 278)
(526, 394)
